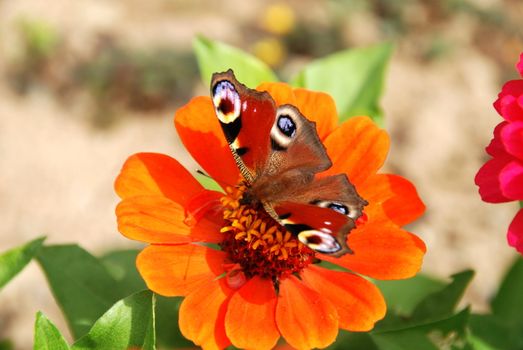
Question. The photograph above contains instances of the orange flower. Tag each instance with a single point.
(263, 283)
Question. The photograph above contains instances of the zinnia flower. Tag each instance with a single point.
(245, 279)
(501, 178)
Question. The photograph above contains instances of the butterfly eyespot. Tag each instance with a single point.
(313, 239)
(284, 129)
(319, 241)
(226, 101)
(226, 106)
(286, 125)
(341, 208)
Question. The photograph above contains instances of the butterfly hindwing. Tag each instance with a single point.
(336, 193)
(321, 229)
(322, 214)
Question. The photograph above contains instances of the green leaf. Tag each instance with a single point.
(424, 335)
(476, 343)
(440, 334)
(47, 336)
(496, 332)
(402, 296)
(121, 264)
(128, 324)
(81, 285)
(208, 182)
(508, 302)
(168, 335)
(13, 261)
(404, 340)
(503, 329)
(6, 344)
(214, 57)
(354, 78)
(442, 303)
(433, 306)
(456, 323)
(353, 341)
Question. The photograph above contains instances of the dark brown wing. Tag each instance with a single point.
(336, 193)
(295, 144)
(296, 155)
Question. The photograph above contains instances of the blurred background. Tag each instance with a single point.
(86, 83)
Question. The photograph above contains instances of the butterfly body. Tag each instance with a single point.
(279, 154)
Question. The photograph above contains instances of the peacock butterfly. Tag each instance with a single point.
(278, 152)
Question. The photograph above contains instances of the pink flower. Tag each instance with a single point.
(501, 178)
(510, 100)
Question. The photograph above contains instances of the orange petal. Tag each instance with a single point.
(357, 148)
(152, 173)
(382, 251)
(249, 322)
(200, 132)
(318, 107)
(280, 92)
(305, 318)
(157, 219)
(359, 302)
(176, 270)
(202, 315)
(396, 197)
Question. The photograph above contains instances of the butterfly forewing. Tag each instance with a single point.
(296, 155)
(295, 143)
(246, 117)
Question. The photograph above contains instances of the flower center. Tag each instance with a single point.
(256, 243)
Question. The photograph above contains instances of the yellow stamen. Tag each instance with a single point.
(255, 244)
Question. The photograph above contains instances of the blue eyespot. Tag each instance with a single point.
(226, 101)
(286, 125)
(222, 88)
(225, 97)
(340, 208)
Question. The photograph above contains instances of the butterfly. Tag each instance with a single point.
(279, 153)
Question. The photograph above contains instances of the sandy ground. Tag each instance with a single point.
(56, 171)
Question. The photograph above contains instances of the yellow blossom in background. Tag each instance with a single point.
(271, 51)
(278, 19)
